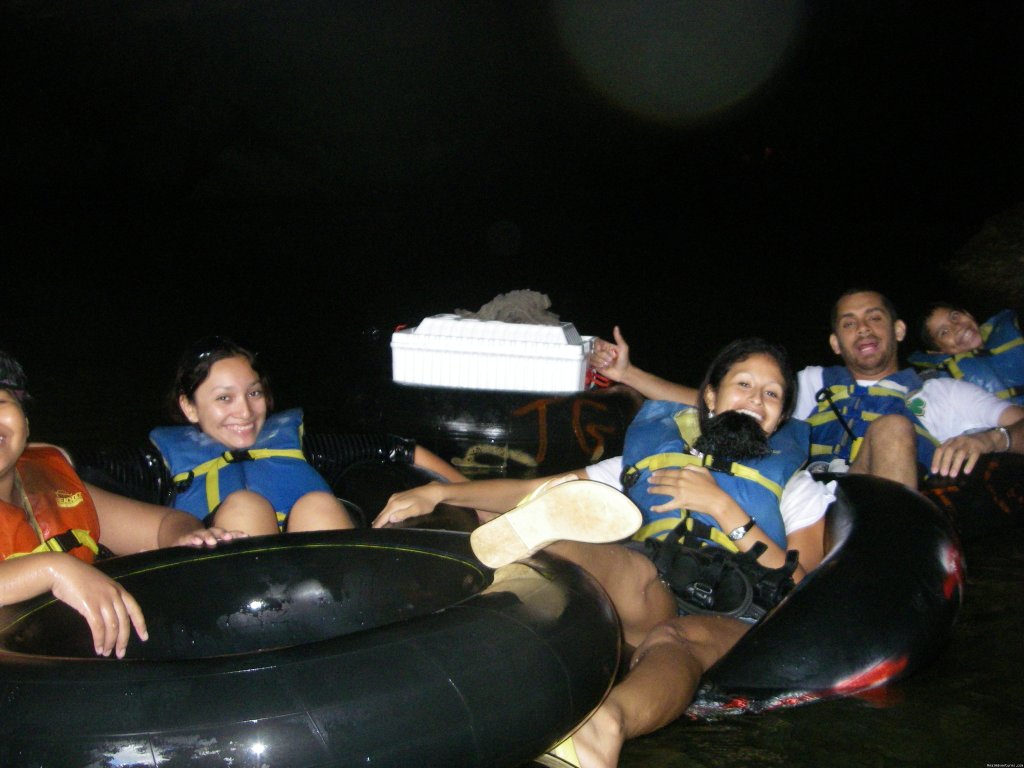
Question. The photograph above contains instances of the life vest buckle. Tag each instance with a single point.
(716, 464)
(180, 486)
(234, 456)
(63, 542)
(629, 477)
(701, 594)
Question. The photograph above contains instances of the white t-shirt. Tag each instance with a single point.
(804, 499)
(947, 407)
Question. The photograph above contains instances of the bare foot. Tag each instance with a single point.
(599, 740)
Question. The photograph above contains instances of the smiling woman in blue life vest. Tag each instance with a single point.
(235, 464)
(762, 504)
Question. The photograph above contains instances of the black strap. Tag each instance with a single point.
(180, 486)
(708, 579)
(65, 541)
(826, 394)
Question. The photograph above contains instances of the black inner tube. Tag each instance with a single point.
(291, 590)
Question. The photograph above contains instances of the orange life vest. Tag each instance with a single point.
(60, 515)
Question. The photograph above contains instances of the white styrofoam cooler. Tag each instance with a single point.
(465, 353)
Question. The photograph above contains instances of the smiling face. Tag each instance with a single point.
(229, 405)
(866, 336)
(13, 439)
(953, 330)
(754, 386)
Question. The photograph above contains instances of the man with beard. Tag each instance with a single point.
(871, 417)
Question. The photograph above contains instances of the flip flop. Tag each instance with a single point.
(562, 755)
(567, 510)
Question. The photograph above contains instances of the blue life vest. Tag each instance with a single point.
(661, 435)
(997, 366)
(205, 473)
(842, 401)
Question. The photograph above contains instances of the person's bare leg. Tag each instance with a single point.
(889, 450)
(663, 678)
(246, 511)
(631, 581)
(318, 511)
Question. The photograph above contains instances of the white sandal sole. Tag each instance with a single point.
(578, 510)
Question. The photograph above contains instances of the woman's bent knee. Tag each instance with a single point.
(318, 511)
(246, 511)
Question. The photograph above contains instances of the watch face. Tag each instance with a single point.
(738, 533)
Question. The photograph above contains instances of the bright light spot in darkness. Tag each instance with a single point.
(678, 61)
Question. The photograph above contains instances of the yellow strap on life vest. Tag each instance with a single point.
(674, 460)
(666, 524)
(953, 366)
(53, 545)
(82, 537)
(818, 449)
(212, 467)
(1015, 342)
(828, 414)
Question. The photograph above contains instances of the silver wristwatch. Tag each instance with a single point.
(738, 533)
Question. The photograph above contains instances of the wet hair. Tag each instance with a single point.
(886, 302)
(927, 340)
(736, 352)
(194, 368)
(13, 379)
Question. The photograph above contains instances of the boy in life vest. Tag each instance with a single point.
(879, 419)
(990, 354)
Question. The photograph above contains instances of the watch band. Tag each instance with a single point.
(738, 533)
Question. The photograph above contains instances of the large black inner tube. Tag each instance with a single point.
(336, 648)
(881, 605)
(299, 588)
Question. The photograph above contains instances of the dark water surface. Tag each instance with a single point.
(963, 710)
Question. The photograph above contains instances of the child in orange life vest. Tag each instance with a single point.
(51, 524)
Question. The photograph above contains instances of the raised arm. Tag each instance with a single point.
(612, 361)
